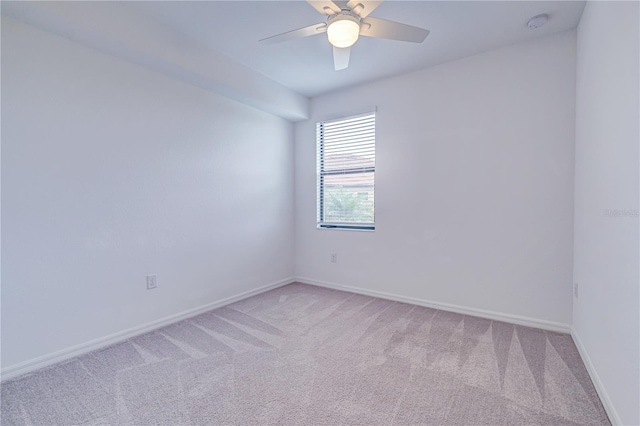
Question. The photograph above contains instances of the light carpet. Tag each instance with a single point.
(306, 355)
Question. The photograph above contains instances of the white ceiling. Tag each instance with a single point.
(458, 29)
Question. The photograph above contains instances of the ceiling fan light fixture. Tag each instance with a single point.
(343, 30)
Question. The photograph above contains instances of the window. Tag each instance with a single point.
(346, 172)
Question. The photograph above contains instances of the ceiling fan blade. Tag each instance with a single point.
(326, 7)
(341, 57)
(363, 8)
(381, 28)
(299, 33)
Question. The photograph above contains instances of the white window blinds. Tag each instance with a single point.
(346, 172)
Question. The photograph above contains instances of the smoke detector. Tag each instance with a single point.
(537, 21)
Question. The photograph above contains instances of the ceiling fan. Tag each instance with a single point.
(346, 21)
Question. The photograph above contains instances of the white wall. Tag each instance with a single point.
(117, 28)
(111, 172)
(606, 313)
(474, 184)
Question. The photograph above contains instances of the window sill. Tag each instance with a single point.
(347, 228)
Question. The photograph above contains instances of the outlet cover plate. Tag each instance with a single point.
(152, 282)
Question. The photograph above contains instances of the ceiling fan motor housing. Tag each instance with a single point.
(343, 28)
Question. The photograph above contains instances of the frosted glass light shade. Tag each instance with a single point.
(343, 32)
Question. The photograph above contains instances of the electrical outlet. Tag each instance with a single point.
(152, 282)
(575, 290)
(334, 257)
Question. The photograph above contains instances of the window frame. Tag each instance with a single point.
(321, 173)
